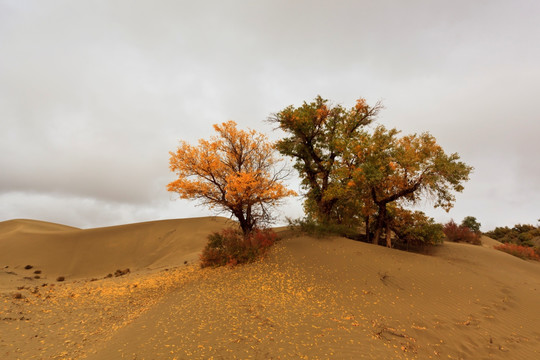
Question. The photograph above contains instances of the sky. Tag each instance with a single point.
(94, 94)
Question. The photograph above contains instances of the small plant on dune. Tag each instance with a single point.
(232, 247)
(460, 233)
(524, 252)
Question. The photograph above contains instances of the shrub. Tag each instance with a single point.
(460, 233)
(231, 247)
(417, 231)
(414, 230)
(520, 251)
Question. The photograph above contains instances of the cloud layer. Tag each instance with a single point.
(93, 95)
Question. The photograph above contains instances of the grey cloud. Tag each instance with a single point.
(93, 95)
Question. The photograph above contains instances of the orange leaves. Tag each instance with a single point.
(233, 170)
(360, 104)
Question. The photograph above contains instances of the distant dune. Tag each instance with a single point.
(310, 298)
(59, 250)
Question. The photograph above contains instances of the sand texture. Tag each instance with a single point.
(310, 298)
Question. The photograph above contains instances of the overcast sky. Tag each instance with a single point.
(94, 94)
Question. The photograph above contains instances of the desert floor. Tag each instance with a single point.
(310, 298)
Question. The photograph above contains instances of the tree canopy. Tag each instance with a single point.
(386, 168)
(235, 171)
(354, 173)
(317, 138)
(471, 223)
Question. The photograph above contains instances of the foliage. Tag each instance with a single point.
(471, 223)
(234, 171)
(317, 139)
(232, 247)
(520, 234)
(520, 251)
(354, 176)
(414, 230)
(386, 169)
(461, 233)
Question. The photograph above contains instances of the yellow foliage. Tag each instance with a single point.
(234, 170)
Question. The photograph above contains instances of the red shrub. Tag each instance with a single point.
(460, 233)
(520, 251)
(231, 247)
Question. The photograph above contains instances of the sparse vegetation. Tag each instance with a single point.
(232, 247)
(120, 272)
(310, 226)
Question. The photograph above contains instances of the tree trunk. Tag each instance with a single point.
(381, 216)
(325, 209)
(244, 223)
(367, 228)
(388, 238)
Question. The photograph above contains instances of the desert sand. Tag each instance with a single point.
(309, 298)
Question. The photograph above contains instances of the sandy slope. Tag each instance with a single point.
(59, 250)
(310, 298)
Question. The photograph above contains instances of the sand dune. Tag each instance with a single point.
(59, 250)
(311, 298)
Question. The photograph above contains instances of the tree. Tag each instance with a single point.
(387, 169)
(234, 171)
(318, 136)
(471, 223)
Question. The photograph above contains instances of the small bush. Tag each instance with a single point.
(415, 231)
(520, 251)
(460, 233)
(120, 272)
(231, 247)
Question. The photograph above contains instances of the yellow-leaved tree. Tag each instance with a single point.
(235, 171)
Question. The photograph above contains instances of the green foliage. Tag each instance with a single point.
(352, 175)
(523, 252)
(232, 247)
(387, 169)
(317, 139)
(461, 233)
(414, 230)
(471, 223)
(520, 234)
